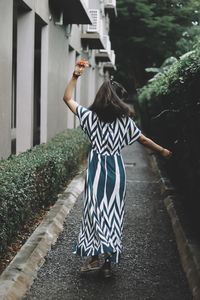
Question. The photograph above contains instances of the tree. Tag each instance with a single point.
(146, 33)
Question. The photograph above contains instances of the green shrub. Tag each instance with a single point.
(170, 113)
(32, 179)
(175, 78)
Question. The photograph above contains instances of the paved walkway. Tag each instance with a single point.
(150, 265)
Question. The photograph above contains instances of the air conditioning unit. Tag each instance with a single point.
(110, 3)
(95, 16)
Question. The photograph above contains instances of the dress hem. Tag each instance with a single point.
(115, 255)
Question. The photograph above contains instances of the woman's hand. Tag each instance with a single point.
(80, 67)
(166, 153)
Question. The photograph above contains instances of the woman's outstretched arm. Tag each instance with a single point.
(153, 146)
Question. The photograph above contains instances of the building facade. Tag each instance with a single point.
(40, 42)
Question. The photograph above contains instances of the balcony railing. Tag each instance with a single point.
(92, 36)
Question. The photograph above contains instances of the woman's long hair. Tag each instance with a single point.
(109, 102)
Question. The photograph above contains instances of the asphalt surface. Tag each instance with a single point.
(150, 267)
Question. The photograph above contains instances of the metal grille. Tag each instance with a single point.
(95, 16)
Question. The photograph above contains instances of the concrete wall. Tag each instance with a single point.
(40, 7)
(94, 4)
(6, 27)
(69, 71)
(75, 38)
(58, 48)
(25, 80)
(57, 77)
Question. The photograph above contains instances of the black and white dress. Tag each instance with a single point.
(105, 184)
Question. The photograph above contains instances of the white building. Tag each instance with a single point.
(40, 42)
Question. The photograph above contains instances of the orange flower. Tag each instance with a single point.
(82, 63)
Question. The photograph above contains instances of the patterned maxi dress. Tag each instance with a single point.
(105, 184)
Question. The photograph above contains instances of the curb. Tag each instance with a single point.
(189, 260)
(20, 273)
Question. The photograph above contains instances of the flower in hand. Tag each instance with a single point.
(80, 67)
(82, 63)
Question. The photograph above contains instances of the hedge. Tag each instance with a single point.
(32, 179)
(170, 113)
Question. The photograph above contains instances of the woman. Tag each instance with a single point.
(109, 126)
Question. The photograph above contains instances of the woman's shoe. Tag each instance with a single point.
(90, 265)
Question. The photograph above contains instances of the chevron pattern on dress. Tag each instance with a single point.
(107, 138)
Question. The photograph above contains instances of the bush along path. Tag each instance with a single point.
(150, 267)
(170, 113)
(30, 182)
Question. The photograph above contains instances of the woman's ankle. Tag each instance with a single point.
(107, 259)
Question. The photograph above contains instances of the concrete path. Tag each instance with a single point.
(150, 266)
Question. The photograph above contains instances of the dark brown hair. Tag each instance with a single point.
(109, 102)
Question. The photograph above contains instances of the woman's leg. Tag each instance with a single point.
(106, 268)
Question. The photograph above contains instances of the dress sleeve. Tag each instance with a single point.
(133, 132)
(86, 118)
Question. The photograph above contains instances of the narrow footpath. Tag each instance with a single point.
(150, 267)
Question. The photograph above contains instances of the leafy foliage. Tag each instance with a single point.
(189, 39)
(32, 179)
(163, 68)
(170, 113)
(147, 32)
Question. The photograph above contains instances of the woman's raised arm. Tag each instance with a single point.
(79, 69)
